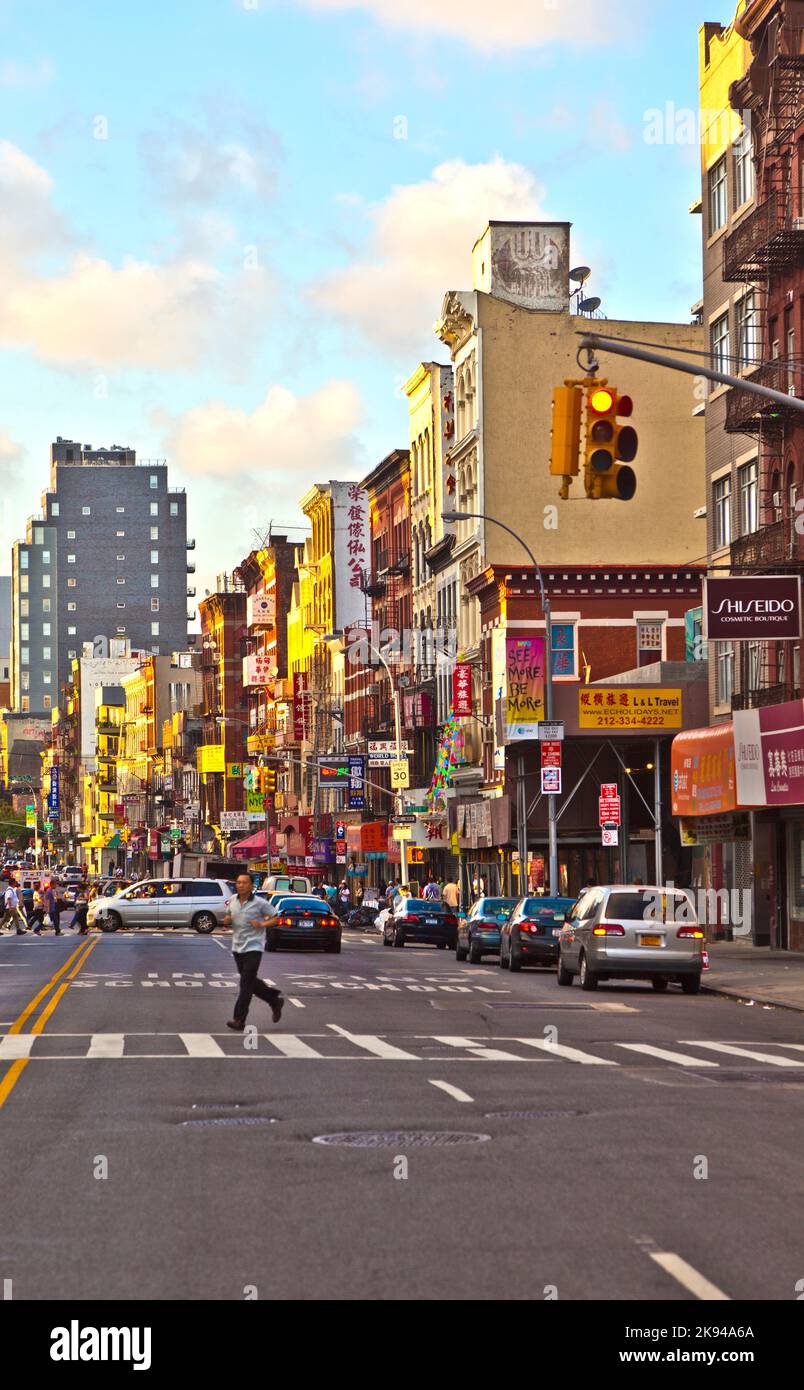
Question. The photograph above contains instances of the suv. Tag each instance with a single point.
(632, 933)
(164, 902)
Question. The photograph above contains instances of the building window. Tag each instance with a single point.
(174, 509)
(70, 559)
(121, 605)
(26, 704)
(45, 702)
(120, 559)
(45, 557)
(54, 509)
(154, 533)
(724, 672)
(23, 583)
(563, 649)
(23, 559)
(154, 557)
(154, 605)
(25, 680)
(121, 535)
(154, 509)
(45, 605)
(24, 655)
(45, 581)
(649, 643)
(71, 632)
(743, 169)
(71, 535)
(72, 583)
(719, 343)
(154, 629)
(24, 607)
(754, 665)
(748, 489)
(718, 209)
(46, 653)
(71, 607)
(153, 481)
(24, 632)
(120, 579)
(46, 679)
(71, 655)
(748, 335)
(46, 629)
(120, 510)
(154, 581)
(38, 535)
(121, 629)
(721, 497)
(86, 511)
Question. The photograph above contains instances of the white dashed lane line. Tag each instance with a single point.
(453, 1091)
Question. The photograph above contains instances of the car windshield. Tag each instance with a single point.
(494, 907)
(649, 905)
(416, 907)
(303, 905)
(546, 909)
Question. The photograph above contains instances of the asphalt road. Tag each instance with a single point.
(583, 1187)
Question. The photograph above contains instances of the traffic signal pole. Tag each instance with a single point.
(620, 348)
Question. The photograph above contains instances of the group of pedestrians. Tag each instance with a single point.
(41, 907)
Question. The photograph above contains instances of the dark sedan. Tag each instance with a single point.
(417, 921)
(479, 932)
(530, 936)
(302, 921)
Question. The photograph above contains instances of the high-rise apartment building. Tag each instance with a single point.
(105, 560)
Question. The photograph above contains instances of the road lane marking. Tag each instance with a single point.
(691, 1280)
(17, 1026)
(479, 1049)
(746, 1052)
(665, 1055)
(570, 1054)
(290, 1045)
(453, 1091)
(53, 1001)
(16, 1069)
(106, 1045)
(297, 1003)
(201, 1045)
(17, 1045)
(378, 1047)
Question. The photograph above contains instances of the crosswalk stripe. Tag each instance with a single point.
(106, 1045)
(570, 1054)
(665, 1055)
(478, 1049)
(290, 1045)
(16, 1045)
(748, 1053)
(201, 1045)
(378, 1047)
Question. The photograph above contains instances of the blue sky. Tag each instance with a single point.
(215, 247)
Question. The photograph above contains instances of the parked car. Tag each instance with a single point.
(636, 933)
(288, 883)
(164, 902)
(530, 935)
(479, 931)
(417, 920)
(302, 920)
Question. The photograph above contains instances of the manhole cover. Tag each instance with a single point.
(402, 1139)
(228, 1120)
(532, 1114)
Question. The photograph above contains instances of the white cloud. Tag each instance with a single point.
(88, 311)
(420, 247)
(505, 24)
(194, 167)
(21, 76)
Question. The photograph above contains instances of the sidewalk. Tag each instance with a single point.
(741, 971)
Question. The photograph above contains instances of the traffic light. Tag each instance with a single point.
(267, 781)
(565, 441)
(610, 446)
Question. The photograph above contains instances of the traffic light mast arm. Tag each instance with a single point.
(592, 341)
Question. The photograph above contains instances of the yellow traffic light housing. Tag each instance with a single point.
(609, 446)
(565, 442)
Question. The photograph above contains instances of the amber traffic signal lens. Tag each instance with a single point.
(601, 402)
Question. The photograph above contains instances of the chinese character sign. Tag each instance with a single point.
(352, 551)
(300, 700)
(462, 689)
(619, 707)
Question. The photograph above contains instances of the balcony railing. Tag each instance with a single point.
(765, 695)
(764, 243)
(768, 547)
(748, 413)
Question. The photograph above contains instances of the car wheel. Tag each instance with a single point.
(334, 950)
(563, 975)
(514, 958)
(111, 922)
(460, 951)
(475, 956)
(503, 956)
(588, 978)
(205, 922)
(659, 983)
(399, 940)
(690, 984)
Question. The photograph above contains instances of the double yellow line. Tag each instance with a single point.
(76, 960)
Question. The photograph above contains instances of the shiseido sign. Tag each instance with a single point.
(748, 610)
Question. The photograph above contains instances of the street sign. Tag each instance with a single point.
(400, 776)
(30, 817)
(382, 751)
(610, 836)
(234, 769)
(403, 820)
(402, 832)
(551, 730)
(609, 804)
(551, 781)
(357, 774)
(551, 766)
(234, 820)
(340, 830)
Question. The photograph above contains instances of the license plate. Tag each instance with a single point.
(650, 941)
(431, 921)
(556, 931)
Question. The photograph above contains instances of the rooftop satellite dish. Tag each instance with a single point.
(588, 306)
(580, 274)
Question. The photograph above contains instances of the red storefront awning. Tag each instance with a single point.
(702, 771)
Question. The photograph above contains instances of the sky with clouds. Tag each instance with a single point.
(226, 226)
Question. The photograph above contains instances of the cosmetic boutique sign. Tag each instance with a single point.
(751, 610)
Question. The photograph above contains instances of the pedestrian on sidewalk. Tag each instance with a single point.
(52, 907)
(80, 914)
(37, 914)
(12, 914)
(452, 894)
(432, 892)
(247, 917)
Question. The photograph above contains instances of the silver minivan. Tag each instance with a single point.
(164, 902)
(635, 933)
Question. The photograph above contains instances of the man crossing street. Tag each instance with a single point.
(247, 917)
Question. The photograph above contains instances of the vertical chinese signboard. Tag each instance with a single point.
(357, 777)
(300, 699)
(352, 551)
(462, 689)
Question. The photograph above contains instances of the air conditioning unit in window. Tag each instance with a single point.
(777, 501)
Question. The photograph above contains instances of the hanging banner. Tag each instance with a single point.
(300, 706)
(352, 551)
(357, 777)
(462, 689)
(524, 693)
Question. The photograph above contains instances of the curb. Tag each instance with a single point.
(727, 993)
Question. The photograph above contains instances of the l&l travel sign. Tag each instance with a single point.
(628, 707)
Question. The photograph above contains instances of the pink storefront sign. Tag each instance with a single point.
(769, 755)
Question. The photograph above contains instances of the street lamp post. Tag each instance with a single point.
(552, 829)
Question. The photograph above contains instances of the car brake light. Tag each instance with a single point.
(694, 932)
(286, 921)
(608, 930)
(451, 921)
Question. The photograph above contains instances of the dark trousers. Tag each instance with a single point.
(248, 963)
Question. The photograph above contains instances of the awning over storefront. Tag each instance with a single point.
(702, 771)
(370, 838)
(253, 847)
